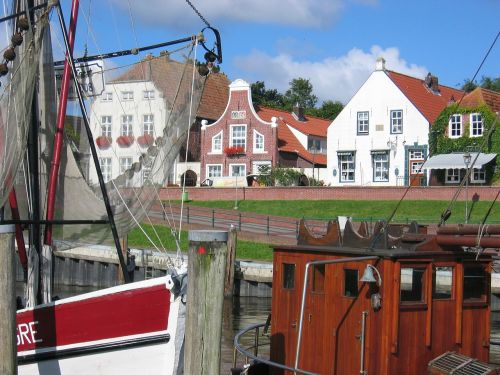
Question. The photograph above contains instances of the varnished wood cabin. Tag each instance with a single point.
(434, 299)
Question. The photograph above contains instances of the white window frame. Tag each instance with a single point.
(106, 125)
(238, 140)
(126, 127)
(148, 94)
(416, 155)
(476, 125)
(397, 121)
(455, 125)
(242, 170)
(125, 163)
(148, 124)
(217, 143)
(127, 95)
(478, 175)
(211, 168)
(452, 176)
(258, 142)
(416, 167)
(363, 122)
(106, 168)
(380, 167)
(107, 96)
(347, 167)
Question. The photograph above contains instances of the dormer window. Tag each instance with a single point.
(476, 125)
(217, 143)
(258, 142)
(455, 126)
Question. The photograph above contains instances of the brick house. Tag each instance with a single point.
(245, 138)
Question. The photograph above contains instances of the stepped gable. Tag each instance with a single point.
(429, 102)
(480, 96)
(287, 141)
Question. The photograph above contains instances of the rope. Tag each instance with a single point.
(198, 13)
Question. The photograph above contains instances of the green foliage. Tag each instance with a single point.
(486, 83)
(301, 92)
(269, 98)
(71, 133)
(279, 177)
(328, 110)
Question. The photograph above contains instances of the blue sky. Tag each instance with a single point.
(334, 43)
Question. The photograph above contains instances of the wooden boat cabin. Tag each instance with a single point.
(385, 303)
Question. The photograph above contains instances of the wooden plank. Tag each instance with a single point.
(459, 302)
(428, 297)
(396, 281)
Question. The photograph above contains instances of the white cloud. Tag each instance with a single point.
(301, 13)
(333, 78)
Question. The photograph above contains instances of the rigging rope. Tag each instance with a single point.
(198, 13)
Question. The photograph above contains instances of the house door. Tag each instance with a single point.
(416, 160)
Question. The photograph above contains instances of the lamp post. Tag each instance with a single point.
(236, 192)
(467, 160)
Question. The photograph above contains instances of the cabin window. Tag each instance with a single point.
(442, 282)
(474, 283)
(288, 275)
(318, 281)
(351, 283)
(412, 284)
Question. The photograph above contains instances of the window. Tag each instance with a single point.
(126, 128)
(412, 284)
(127, 95)
(351, 283)
(416, 167)
(416, 154)
(478, 175)
(363, 122)
(476, 125)
(214, 170)
(396, 122)
(475, 286)
(288, 275)
(105, 164)
(217, 143)
(442, 282)
(107, 96)
(148, 124)
(314, 145)
(125, 163)
(346, 166)
(239, 136)
(380, 166)
(452, 176)
(455, 126)
(148, 94)
(106, 126)
(258, 142)
(261, 167)
(318, 278)
(238, 170)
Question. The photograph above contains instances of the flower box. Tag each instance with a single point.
(145, 140)
(125, 140)
(234, 151)
(103, 142)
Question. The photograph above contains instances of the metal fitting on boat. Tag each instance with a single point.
(17, 39)
(9, 54)
(4, 69)
(23, 24)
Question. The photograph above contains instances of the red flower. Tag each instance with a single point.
(125, 140)
(234, 150)
(145, 140)
(103, 142)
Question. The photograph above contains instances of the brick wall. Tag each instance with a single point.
(485, 193)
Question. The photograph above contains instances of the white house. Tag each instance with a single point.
(381, 136)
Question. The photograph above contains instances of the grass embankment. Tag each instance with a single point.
(421, 211)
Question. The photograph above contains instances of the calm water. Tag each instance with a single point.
(238, 313)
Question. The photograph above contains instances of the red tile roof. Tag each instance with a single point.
(427, 102)
(287, 142)
(480, 96)
(215, 97)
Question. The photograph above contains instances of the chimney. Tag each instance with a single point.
(432, 83)
(298, 112)
(380, 64)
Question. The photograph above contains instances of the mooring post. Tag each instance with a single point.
(207, 258)
(8, 349)
(231, 257)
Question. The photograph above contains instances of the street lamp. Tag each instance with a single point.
(467, 160)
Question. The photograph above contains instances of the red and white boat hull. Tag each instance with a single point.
(132, 328)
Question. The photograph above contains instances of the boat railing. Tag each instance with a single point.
(252, 352)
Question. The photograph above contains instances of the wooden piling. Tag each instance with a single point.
(207, 258)
(8, 349)
(231, 255)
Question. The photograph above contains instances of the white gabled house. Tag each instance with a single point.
(381, 136)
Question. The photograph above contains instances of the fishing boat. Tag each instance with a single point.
(129, 328)
(390, 299)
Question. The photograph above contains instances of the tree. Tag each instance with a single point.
(262, 96)
(486, 83)
(301, 92)
(328, 110)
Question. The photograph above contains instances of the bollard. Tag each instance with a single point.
(8, 349)
(207, 259)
